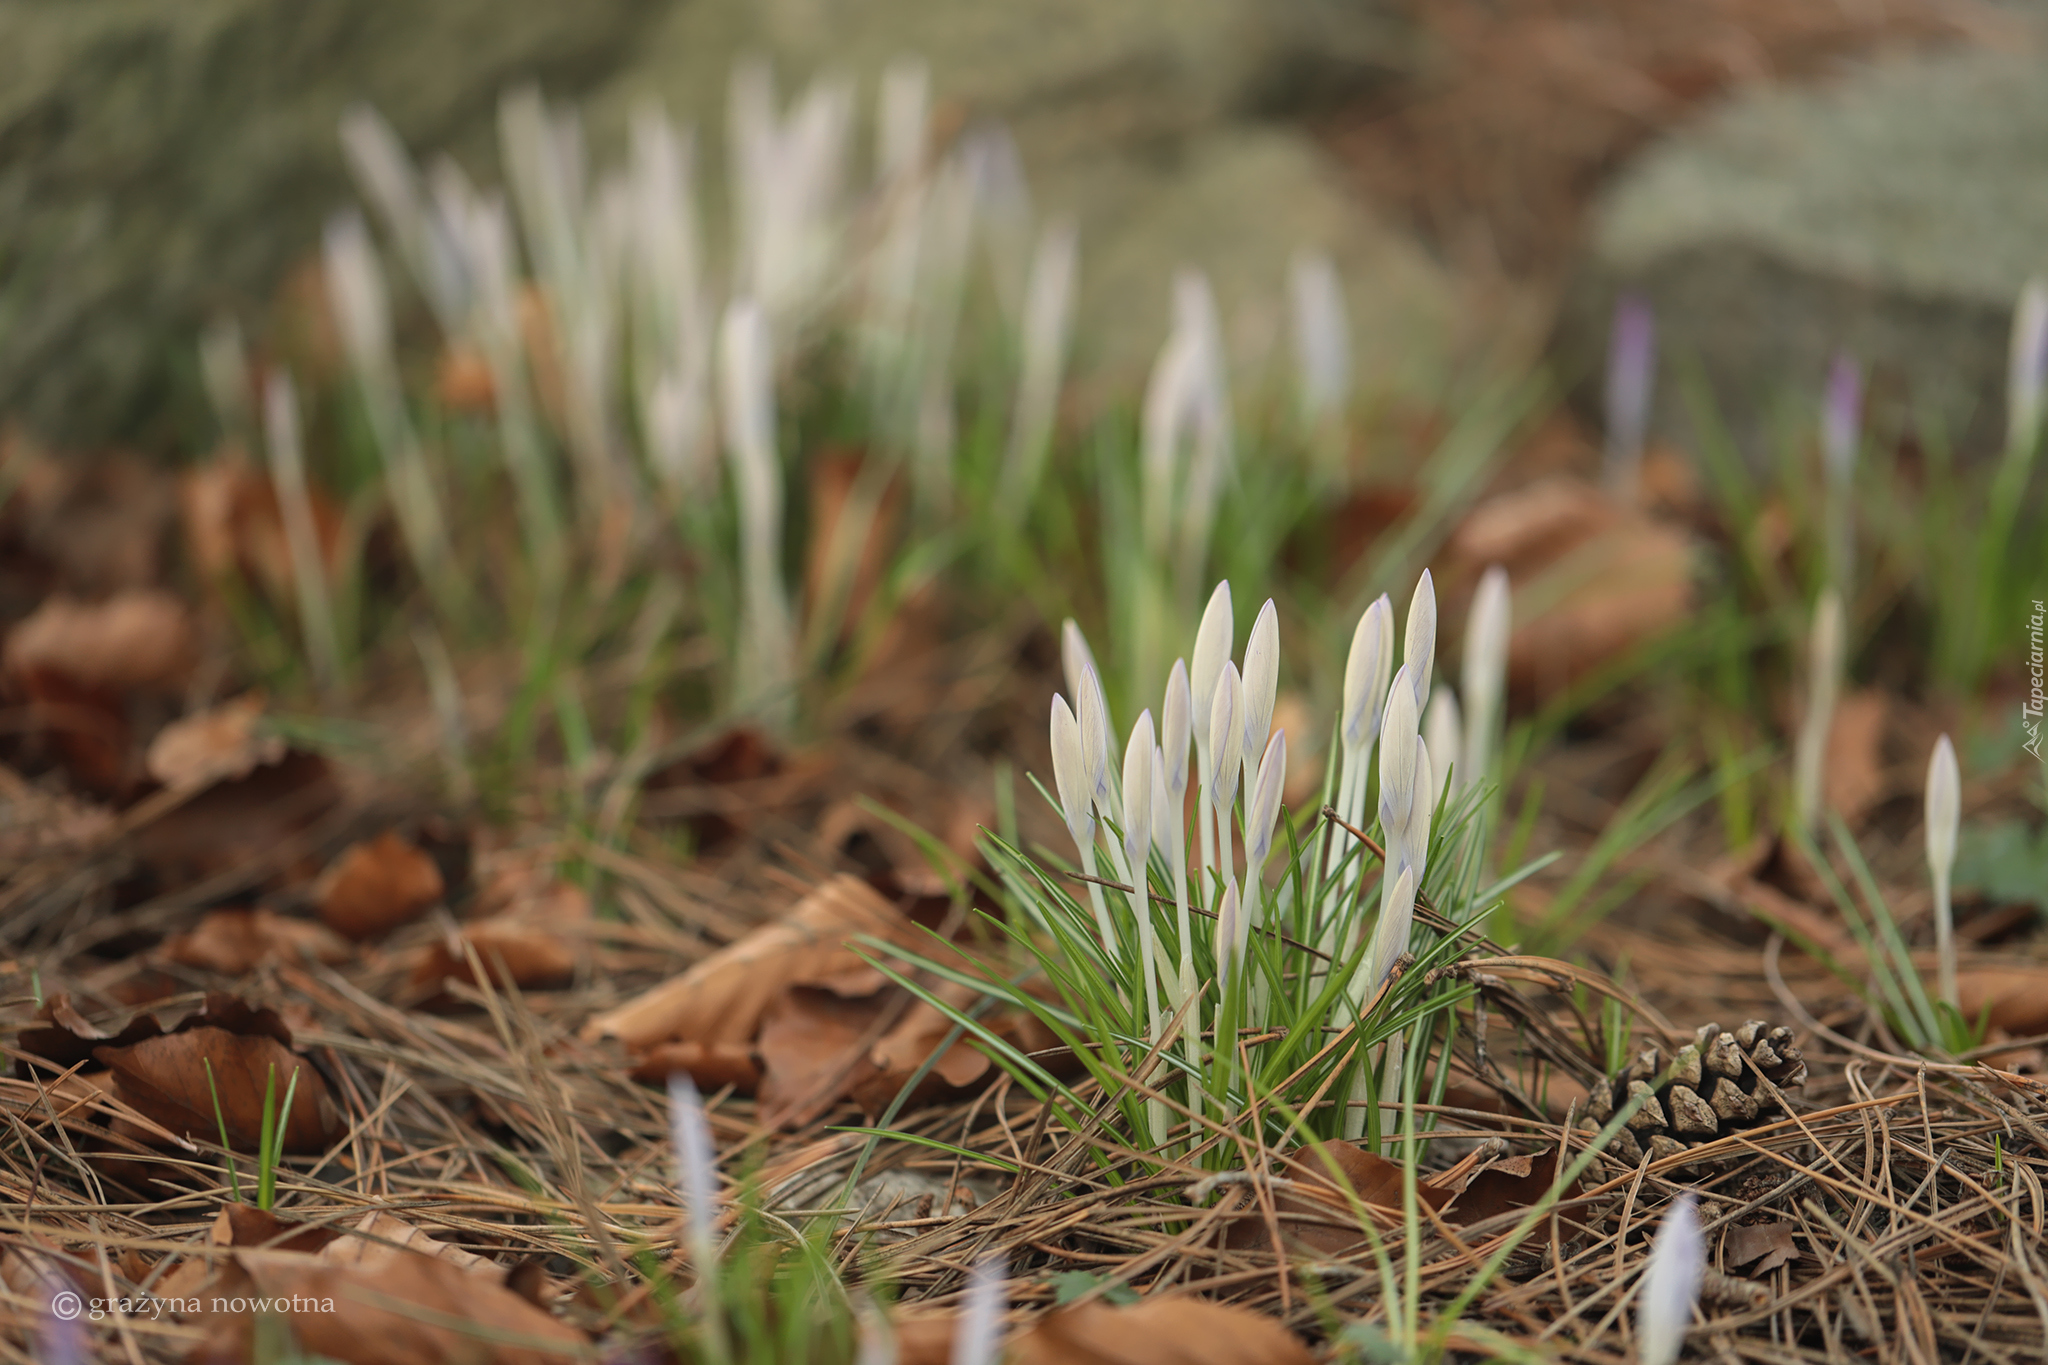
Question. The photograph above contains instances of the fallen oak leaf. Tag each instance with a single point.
(166, 1078)
(1157, 1331)
(379, 1236)
(1593, 579)
(713, 1066)
(721, 999)
(1315, 1206)
(1770, 1245)
(1508, 1185)
(80, 664)
(2015, 999)
(511, 953)
(135, 641)
(376, 885)
(234, 823)
(235, 942)
(407, 1309)
(216, 745)
(67, 1038)
(254, 1229)
(813, 1044)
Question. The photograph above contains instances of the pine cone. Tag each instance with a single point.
(1720, 1083)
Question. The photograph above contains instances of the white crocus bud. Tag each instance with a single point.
(1261, 684)
(1322, 339)
(767, 664)
(1226, 747)
(2029, 366)
(301, 532)
(1070, 777)
(1138, 790)
(1137, 812)
(1226, 737)
(1398, 740)
(1103, 779)
(1228, 918)
(1048, 320)
(696, 1169)
(1418, 643)
(1824, 668)
(1421, 811)
(1442, 729)
(1169, 836)
(1262, 807)
(1390, 936)
(1213, 641)
(1170, 396)
(1366, 672)
(1944, 817)
(1671, 1284)
(1076, 659)
(1487, 631)
(1075, 783)
(1174, 719)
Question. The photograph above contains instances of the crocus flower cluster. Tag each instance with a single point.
(1222, 707)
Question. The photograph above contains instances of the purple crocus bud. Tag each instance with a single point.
(1631, 379)
(1841, 421)
(2029, 365)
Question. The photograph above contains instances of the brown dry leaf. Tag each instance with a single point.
(893, 857)
(235, 823)
(1854, 778)
(67, 1039)
(377, 885)
(39, 822)
(251, 1228)
(380, 1237)
(166, 1078)
(235, 942)
(234, 524)
(1770, 1245)
(813, 1045)
(528, 925)
(1593, 579)
(96, 524)
(713, 1066)
(906, 1046)
(513, 953)
(1508, 1185)
(216, 745)
(718, 788)
(82, 666)
(924, 1339)
(2017, 998)
(409, 1309)
(140, 640)
(1315, 1213)
(1157, 1331)
(721, 999)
